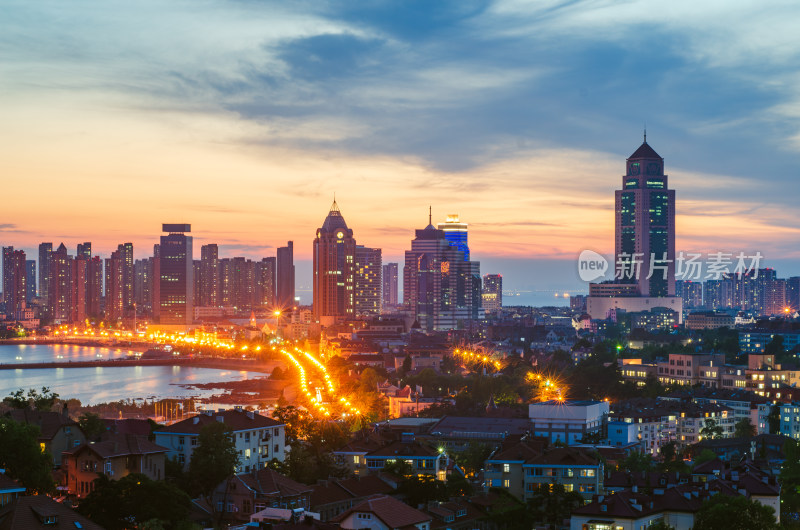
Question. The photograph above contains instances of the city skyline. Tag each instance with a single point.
(249, 138)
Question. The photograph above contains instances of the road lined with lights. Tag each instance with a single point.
(335, 404)
(467, 356)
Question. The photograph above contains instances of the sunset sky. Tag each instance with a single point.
(244, 118)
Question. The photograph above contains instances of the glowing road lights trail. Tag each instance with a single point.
(339, 401)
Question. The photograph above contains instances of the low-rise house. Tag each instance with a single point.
(458, 433)
(576, 469)
(42, 512)
(333, 496)
(381, 512)
(673, 500)
(10, 489)
(456, 514)
(406, 401)
(522, 469)
(424, 460)
(58, 432)
(258, 439)
(503, 469)
(568, 422)
(766, 447)
(353, 455)
(244, 494)
(115, 457)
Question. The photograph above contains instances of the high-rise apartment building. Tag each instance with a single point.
(265, 283)
(367, 282)
(77, 289)
(45, 250)
(439, 286)
(176, 281)
(196, 266)
(94, 287)
(59, 285)
(333, 269)
(115, 285)
(15, 279)
(492, 295)
(84, 250)
(284, 288)
(390, 285)
(456, 233)
(793, 293)
(128, 278)
(30, 273)
(209, 276)
(645, 224)
(155, 295)
(691, 293)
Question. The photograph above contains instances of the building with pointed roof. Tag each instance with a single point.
(645, 222)
(644, 257)
(334, 269)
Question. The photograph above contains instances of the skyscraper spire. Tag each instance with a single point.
(645, 134)
(430, 215)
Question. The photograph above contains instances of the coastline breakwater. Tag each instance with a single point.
(220, 363)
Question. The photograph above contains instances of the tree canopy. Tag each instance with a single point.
(135, 501)
(43, 401)
(721, 512)
(23, 458)
(214, 459)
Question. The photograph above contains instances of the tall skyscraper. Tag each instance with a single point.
(45, 250)
(209, 276)
(367, 282)
(30, 273)
(439, 286)
(492, 295)
(645, 223)
(284, 288)
(176, 282)
(456, 233)
(390, 285)
(15, 279)
(334, 268)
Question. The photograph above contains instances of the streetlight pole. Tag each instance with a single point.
(277, 314)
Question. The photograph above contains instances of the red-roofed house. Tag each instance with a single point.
(247, 493)
(382, 512)
(116, 457)
(334, 496)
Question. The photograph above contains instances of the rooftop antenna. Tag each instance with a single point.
(645, 132)
(430, 215)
